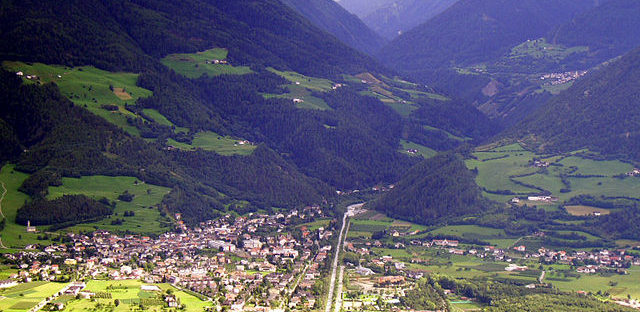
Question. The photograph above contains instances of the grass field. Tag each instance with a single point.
(298, 92)
(211, 141)
(312, 226)
(301, 87)
(195, 65)
(624, 284)
(422, 150)
(14, 235)
(129, 294)
(311, 83)
(579, 210)
(25, 296)
(493, 236)
(503, 168)
(89, 87)
(593, 167)
(162, 120)
(147, 218)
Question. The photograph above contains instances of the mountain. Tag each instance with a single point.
(599, 112)
(400, 16)
(473, 31)
(363, 8)
(54, 138)
(609, 30)
(332, 18)
(128, 34)
(435, 190)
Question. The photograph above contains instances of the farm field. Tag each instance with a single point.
(130, 295)
(619, 286)
(25, 296)
(211, 141)
(14, 235)
(195, 65)
(91, 88)
(298, 92)
(162, 120)
(422, 150)
(580, 210)
(507, 171)
(302, 87)
(147, 218)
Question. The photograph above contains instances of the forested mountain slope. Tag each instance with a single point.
(332, 18)
(400, 16)
(126, 34)
(609, 30)
(62, 139)
(599, 112)
(472, 31)
(434, 191)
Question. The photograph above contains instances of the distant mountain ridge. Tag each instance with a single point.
(609, 30)
(401, 16)
(332, 18)
(473, 31)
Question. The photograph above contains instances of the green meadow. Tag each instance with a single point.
(162, 120)
(91, 88)
(423, 151)
(147, 218)
(131, 296)
(619, 286)
(25, 296)
(312, 226)
(211, 141)
(301, 87)
(194, 65)
(14, 235)
(508, 168)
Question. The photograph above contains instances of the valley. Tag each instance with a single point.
(320, 155)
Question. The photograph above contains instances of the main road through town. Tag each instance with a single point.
(351, 211)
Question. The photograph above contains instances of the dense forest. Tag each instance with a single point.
(329, 16)
(68, 209)
(473, 31)
(130, 34)
(609, 30)
(599, 112)
(434, 191)
(62, 139)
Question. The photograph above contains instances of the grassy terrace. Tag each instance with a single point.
(14, 235)
(147, 218)
(422, 150)
(194, 65)
(302, 87)
(211, 141)
(91, 88)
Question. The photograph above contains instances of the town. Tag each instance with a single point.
(276, 262)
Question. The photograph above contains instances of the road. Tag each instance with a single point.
(351, 211)
(338, 304)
